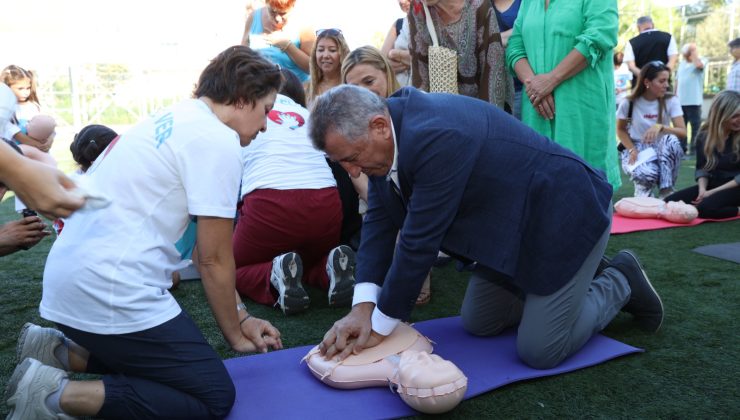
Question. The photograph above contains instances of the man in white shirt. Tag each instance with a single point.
(651, 44)
(733, 77)
(690, 90)
(107, 278)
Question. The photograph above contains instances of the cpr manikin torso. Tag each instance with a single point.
(426, 382)
(654, 208)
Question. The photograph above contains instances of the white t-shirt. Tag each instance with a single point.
(283, 157)
(645, 114)
(109, 272)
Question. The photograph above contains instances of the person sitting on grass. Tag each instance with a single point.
(106, 278)
(716, 194)
(650, 121)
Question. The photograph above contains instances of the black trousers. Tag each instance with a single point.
(720, 205)
(169, 371)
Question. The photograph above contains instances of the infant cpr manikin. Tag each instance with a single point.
(426, 382)
(654, 208)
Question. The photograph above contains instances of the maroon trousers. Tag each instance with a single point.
(273, 222)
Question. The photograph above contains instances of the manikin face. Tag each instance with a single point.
(22, 89)
(251, 120)
(369, 77)
(372, 155)
(327, 56)
(658, 86)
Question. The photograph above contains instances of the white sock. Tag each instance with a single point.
(52, 401)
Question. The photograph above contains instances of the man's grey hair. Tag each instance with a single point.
(345, 110)
(643, 20)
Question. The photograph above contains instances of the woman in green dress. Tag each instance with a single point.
(562, 51)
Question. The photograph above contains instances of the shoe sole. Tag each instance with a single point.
(342, 283)
(295, 298)
(22, 336)
(647, 279)
(14, 383)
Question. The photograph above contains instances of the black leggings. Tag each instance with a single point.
(720, 205)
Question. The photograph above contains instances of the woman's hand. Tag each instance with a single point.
(278, 39)
(633, 155)
(538, 87)
(546, 107)
(652, 133)
(258, 335)
(400, 60)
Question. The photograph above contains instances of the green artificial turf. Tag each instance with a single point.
(689, 370)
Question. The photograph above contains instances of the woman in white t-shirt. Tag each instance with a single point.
(652, 154)
(107, 277)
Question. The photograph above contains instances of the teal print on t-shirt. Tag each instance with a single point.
(163, 128)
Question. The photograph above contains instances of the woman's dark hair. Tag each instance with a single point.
(89, 143)
(238, 75)
(650, 71)
(293, 88)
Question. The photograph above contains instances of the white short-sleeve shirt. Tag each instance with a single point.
(645, 114)
(109, 270)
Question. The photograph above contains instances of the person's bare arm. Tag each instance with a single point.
(633, 68)
(247, 26)
(390, 40)
(42, 188)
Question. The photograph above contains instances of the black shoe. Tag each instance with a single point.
(644, 303)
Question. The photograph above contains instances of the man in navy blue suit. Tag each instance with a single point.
(456, 174)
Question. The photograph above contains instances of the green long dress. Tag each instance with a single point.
(585, 119)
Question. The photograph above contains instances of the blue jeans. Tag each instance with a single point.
(169, 371)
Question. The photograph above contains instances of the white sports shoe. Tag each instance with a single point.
(340, 267)
(28, 388)
(287, 270)
(39, 343)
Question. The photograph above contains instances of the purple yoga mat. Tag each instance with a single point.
(276, 385)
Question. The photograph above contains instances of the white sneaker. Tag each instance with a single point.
(39, 343)
(287, 270)
(31, 383)
(340, 267)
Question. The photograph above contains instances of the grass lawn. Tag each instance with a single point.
(690, 368)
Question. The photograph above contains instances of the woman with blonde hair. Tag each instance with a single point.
(326, 62)
(717, 191)
(367, 67)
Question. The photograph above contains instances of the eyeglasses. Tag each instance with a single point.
(329, 32)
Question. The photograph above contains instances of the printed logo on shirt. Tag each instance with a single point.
(650, 116)
(290, 119)
(163, 128)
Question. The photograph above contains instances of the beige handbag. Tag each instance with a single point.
(442, 62)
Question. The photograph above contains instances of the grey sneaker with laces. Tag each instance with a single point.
(29, 386)
(40, 343)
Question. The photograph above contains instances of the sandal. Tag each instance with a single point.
(425, 295)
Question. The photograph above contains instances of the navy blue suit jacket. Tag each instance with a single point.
(480, 185)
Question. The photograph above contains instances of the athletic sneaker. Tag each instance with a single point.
(340, 267)
(287, 270)
(31, 383)
(40, 343)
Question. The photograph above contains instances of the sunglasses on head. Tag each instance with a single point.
(657, 63)
(329, 32)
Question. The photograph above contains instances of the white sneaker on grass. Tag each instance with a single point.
(40, 343)
(340, 267)
(287, 270)
(28, 387)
